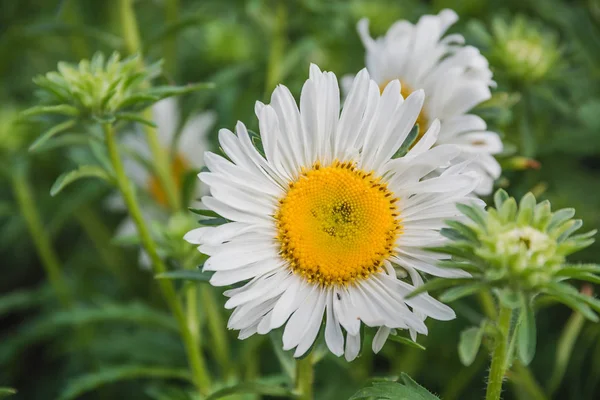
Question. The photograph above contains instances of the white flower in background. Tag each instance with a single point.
(191, 142)
(321, 222)
(455, 79)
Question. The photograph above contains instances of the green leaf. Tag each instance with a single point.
(499, 198)
(62, 109)
(469, 344)
(408, 142)
(5, 392)
(253, 388)
(527, 336)
(286, 361)
(189, 275)
(508, 298)
(204, 213)
(406, 341)
(526, 208)
(474, 213)
(459, 292)
(559, 217)
(162, 92)
(463, 229)
(408, 390)
(133, 117)
(85, 171)
(90, 382)
(437, 284)
(55, 130)
(572, 302)
(20, 300)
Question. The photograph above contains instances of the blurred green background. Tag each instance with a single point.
(546, 60)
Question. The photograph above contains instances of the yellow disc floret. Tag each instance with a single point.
(337, 224)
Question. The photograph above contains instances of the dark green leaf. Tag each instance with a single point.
(474, 213)
(55, 130)
(459, 292)
(469, 343)
(85, 171)
(408, 142)
(93, 381)
(406, 341)
(184, 274)
(526, 341)
(5, 392)
(254, 388)
(204, 213)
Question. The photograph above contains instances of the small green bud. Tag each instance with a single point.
(521, 247)
(524, 50)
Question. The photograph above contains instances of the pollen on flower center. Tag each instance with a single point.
(178, 167)
(337, 224)
(422, 119)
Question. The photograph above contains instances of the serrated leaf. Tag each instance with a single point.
(184, 274)
(406, 341)
(527, 336)
(469, 344)
(90, 382)
(50, 133)
(253, 388)
(85, 171)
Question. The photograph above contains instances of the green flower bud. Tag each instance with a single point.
(525, 51)
(518, 247)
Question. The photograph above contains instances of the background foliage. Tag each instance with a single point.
(120, 337)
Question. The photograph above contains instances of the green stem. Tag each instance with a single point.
(499, 364)
(524, 379)
(195, 357)
(43, 244)
(101, 236)
(305, 378)
(170, 44)
(276, 50)
(216, 327)
(564, 349)
(161, 156)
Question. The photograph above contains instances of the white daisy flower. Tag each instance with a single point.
(327, 222)
(192, 140)
(455, 79)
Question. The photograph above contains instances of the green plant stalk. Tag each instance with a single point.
(498, 367)
(170, 44)
(305, 377)
(216, 327)
(160, 155)
(523, 379)
(276, 50)
(43, 244)
(564, 350)
(100, 236)
(195, 357)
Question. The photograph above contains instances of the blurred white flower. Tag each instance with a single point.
(455, 79)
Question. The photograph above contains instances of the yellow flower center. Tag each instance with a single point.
(337, 224)
(179, 165)
(422, 119)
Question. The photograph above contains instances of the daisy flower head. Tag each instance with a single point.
(454, 77)
(326, 223)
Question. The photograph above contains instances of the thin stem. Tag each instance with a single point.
(498, 368)
(195, 357)
(524, 379)
(305, 378)
(39, 235)
(216, 327)
(277, 49)
(161, 156)
(170, 44)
